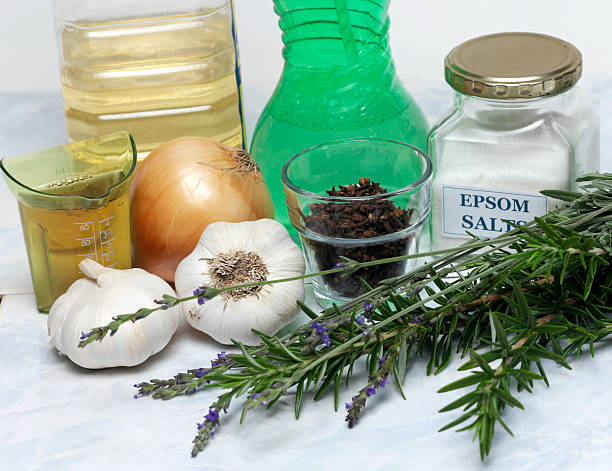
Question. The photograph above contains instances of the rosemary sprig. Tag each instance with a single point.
(540, 291)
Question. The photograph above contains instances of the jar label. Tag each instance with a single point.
(487, 213)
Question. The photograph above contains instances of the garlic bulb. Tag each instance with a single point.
(88, 304)
(229, 254)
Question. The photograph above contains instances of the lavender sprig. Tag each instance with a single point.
(204, 294)
(167, 301)
(375, 382)
(210, 424)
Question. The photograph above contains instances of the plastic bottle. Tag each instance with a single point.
(338, 81)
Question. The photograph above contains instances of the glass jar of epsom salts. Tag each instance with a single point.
(517, 125)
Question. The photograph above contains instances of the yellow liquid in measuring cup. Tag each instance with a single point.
(158, 78)
(58, 239)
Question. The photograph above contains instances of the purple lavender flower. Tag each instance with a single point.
(383, 359)
(200, 425)
(370, 390)
(136, 396)
(221, 359)
(256, 395)
(212, 416)
(84, 335)
(325, 339)
(342, 265)
(200, 293)
(354, 408)
(383, 383)
(319, 328)
(367, 307)
(360, 319)
(201, 372)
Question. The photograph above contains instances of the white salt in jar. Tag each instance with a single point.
(517, 125)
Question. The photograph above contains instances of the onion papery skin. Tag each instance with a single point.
(178, 190)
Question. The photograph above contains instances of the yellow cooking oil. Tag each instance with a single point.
(156, 77)
(58, 239)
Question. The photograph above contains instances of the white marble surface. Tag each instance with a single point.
(55, 415)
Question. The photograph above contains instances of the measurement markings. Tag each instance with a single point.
(107, 241)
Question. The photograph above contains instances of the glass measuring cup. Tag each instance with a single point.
(74, 204)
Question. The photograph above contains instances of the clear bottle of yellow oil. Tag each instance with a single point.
(157, 77)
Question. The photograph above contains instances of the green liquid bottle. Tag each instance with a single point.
(338, 81)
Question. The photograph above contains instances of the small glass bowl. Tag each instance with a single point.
(364, 227)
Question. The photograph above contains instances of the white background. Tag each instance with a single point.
(422, 33)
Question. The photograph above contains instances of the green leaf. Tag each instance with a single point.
(590, 277)
(486, 356)
(248, 356)
(513, 321)
(529, 234)
(523, 306)
(544, 353)
(397, 381)
(320, 372)
(337, 380)
(497, 416)
(519, 372)
(482, 363)
(446, 355)
(458, 421)
(243, 415)
(547, 229)
(550, 329)
(501, 333)
(299, 395)
(486, 436)
(542, 372)
(461, 401)
(507, 398)
(402, 363)
(473, 378)
(561, 194)
(306, 310)
(436, 334)
(287, 352)
(335, 367)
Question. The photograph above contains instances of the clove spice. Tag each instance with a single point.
(361, 219)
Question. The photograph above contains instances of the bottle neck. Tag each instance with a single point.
(327, 34)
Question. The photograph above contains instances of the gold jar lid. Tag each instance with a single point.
(513, 65)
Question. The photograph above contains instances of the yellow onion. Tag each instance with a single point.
(183, 186)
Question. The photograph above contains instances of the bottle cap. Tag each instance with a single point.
(513, 65)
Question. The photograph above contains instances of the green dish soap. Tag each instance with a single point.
(338, 81)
